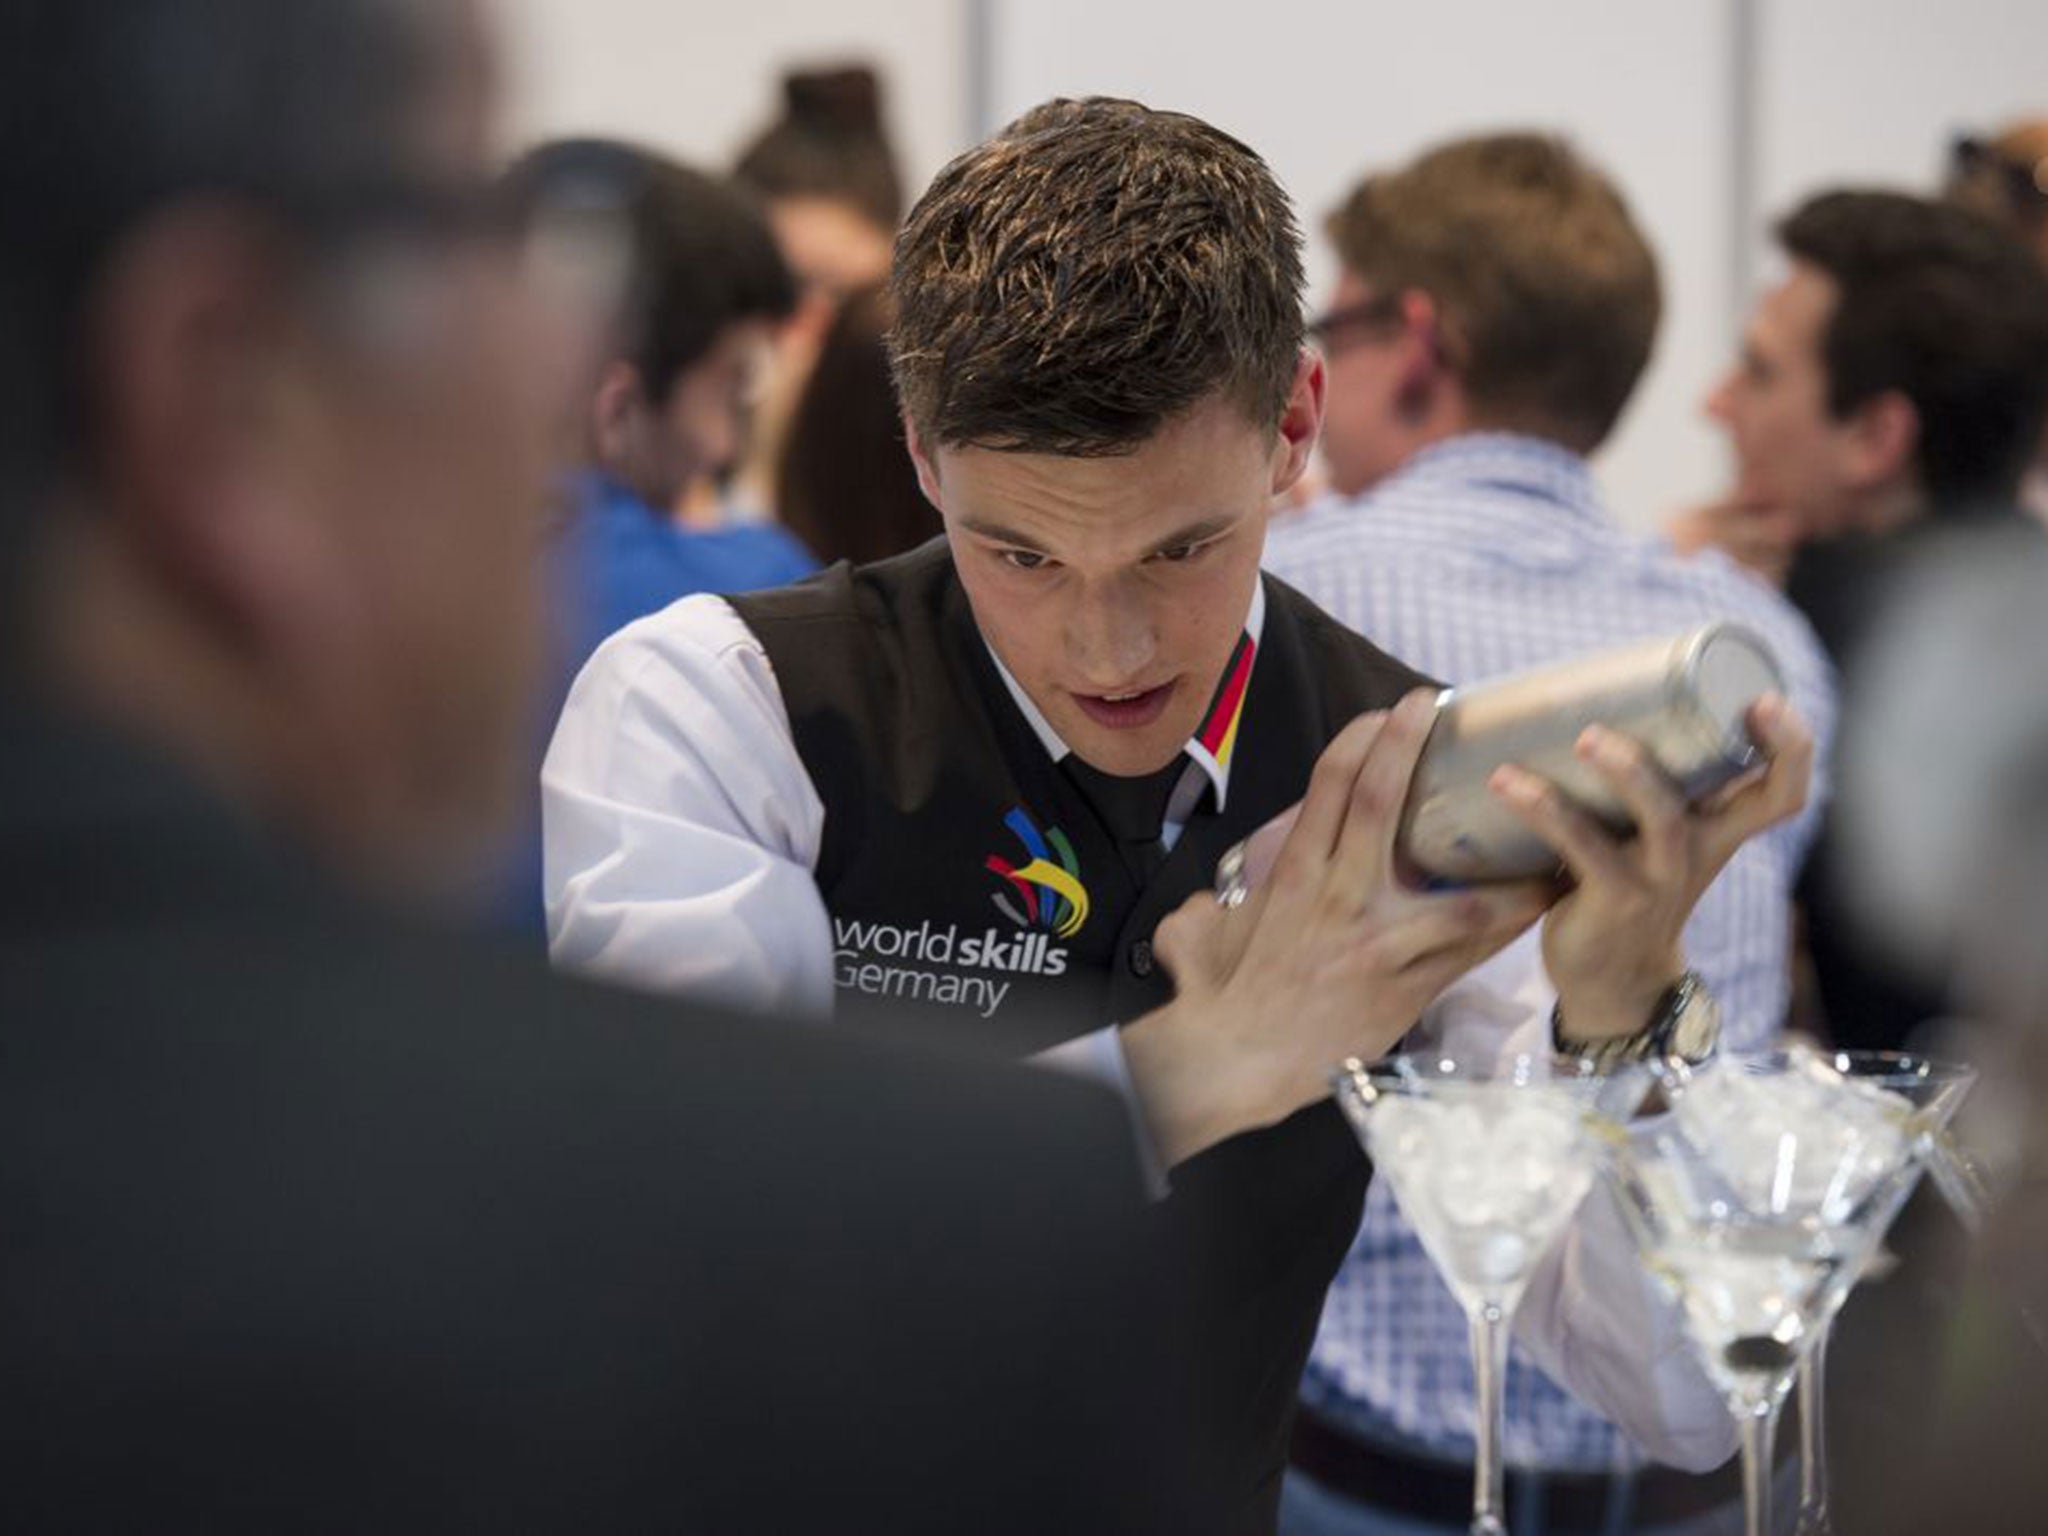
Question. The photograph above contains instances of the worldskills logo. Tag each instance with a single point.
(1049, 894)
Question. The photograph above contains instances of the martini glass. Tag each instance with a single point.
(1935, 1090)
(1756, 1203)
(1488, 1159)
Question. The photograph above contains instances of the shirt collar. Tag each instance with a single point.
(1212, 747)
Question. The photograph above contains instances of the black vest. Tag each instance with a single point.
(974, 893)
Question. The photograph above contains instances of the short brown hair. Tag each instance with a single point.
(1548, 290)
(1093, 271)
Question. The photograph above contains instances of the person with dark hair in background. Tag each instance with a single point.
(1894, 382)
(826, 172)
(683, 285)
(318, 1218)
(698, 290)
(846, 486)
(1895, 371)
(1495, 305)
(979, 792)
(2005, 178)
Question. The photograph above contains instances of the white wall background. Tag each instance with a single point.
(1841, 90)
(699, 78)
(1869, 91)
(1334, 89)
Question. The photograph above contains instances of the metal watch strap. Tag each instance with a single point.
(1656, 1039)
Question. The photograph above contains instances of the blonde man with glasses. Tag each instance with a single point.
(1494, 308)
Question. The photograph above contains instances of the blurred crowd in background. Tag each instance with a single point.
(716, 411)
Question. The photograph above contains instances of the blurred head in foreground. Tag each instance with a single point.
(273, 407)
(1945, 771)
(1944, 805)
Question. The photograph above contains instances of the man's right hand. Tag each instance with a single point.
(1330, 957)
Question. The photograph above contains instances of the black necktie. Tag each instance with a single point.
(1134, 809)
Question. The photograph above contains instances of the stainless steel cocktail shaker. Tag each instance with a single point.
(1686, 698)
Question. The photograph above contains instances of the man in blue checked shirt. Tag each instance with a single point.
(1495, 308)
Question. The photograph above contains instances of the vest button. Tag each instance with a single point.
(1141, 957)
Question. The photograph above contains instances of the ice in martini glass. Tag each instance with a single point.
(1488, 1158)
(1756, 1202)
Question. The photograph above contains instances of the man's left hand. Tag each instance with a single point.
(1613, 945)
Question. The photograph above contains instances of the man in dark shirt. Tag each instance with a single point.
(317, 1218)
(1895, 380)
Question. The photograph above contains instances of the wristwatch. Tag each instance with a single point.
(1686, 1023)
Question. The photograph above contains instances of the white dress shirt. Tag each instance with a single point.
(681, 831)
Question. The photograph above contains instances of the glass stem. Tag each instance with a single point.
(1489, 1325)
(1759, 1433)
(1813, 1439)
